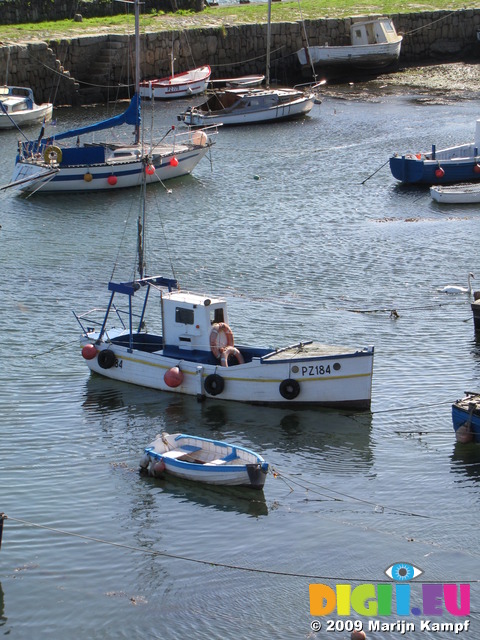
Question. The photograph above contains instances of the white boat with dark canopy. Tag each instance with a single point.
(18, 108)
(76, 161)
(204, 460)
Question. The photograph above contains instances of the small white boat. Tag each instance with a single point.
(181, 85)
(18, 107)
(463, 193)
(204, 460)
(241, 81)
(374, 43)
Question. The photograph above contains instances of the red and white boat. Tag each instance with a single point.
(181, 85)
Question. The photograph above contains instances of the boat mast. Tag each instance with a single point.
(269, 36)
(137, 63)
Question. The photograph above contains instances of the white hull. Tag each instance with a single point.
(456, 194)
(328, 376)
(38, 114)
(96, 177)
(183, 85)
(204, 460)
(238, 116)
(361, 56)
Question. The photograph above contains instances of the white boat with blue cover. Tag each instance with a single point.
(75, 161)
(204, 460)
(19, 109)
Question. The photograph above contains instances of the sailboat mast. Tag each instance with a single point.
(269, 37)
(137, 62)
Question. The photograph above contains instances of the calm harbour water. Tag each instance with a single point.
(305, 251)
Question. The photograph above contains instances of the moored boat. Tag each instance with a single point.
(374, 44)
(18, 108)
(466, 418)
(204, 460)
(437, 167)
(462, 193)
(181, 85)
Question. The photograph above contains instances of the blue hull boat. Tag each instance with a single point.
(454, 164)
(466, 418)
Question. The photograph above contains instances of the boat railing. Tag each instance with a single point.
(93, 322)
(201, 137)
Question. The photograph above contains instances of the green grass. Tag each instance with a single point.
(284, 11)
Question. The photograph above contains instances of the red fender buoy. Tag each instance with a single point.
(112, 180)
(439, 173)
(173, 377)
(173, 162)
(476, 168)
(149, 169)
(158, 468)
(89, 352)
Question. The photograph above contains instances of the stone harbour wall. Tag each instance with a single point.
(99, 68)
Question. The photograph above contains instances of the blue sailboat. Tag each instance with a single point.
(72, 161)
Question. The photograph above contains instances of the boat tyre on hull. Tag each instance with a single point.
(289, 389)
(106, 359)
(214, 384)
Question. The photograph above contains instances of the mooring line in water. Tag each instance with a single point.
(211, 563)
(58, 346)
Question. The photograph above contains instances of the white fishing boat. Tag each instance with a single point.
(247, 105)
(204, 460)
(374, 43)
(462, 193)
(18, 108)
(181, 85)
(75, 161)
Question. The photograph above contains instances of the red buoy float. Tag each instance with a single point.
(158, 468)
(89, 352)
(476, 168)
(439, 173)
(150, 170)
(112, 180)
(173, 162)
(173, 377)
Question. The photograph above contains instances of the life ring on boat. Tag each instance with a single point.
(221, 337)
(230, 351)
(214, 384)
(106, 359)
(52, 155)
(289, 389)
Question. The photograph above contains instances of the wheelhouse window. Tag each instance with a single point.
(184, 316)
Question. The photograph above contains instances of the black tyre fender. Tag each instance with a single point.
(106, 359)
(214, 384)
(289, 388)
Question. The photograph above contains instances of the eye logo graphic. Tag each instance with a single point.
(385, 599)
(403, 572)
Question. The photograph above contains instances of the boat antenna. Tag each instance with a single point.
(269, 36)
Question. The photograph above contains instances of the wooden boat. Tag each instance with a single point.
(204, 460)
(181, 85)
(75, 161)
(374, 43)
(18, 108)
(438, 167)
(462, 193)
(247, 105)
(466, 417)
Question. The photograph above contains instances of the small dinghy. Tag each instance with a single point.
(204, 460)
(466, 418)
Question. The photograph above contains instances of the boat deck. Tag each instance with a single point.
(310, 350)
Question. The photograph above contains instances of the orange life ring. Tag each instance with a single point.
(221, 336)
(230, 351)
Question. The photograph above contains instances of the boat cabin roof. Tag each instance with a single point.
(194, 299)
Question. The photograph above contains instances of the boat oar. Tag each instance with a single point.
(376, 171)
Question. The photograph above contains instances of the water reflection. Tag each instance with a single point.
(3, 618)
(466, 460)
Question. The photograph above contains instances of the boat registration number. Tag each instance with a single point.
(118, 363)
(316, 370)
